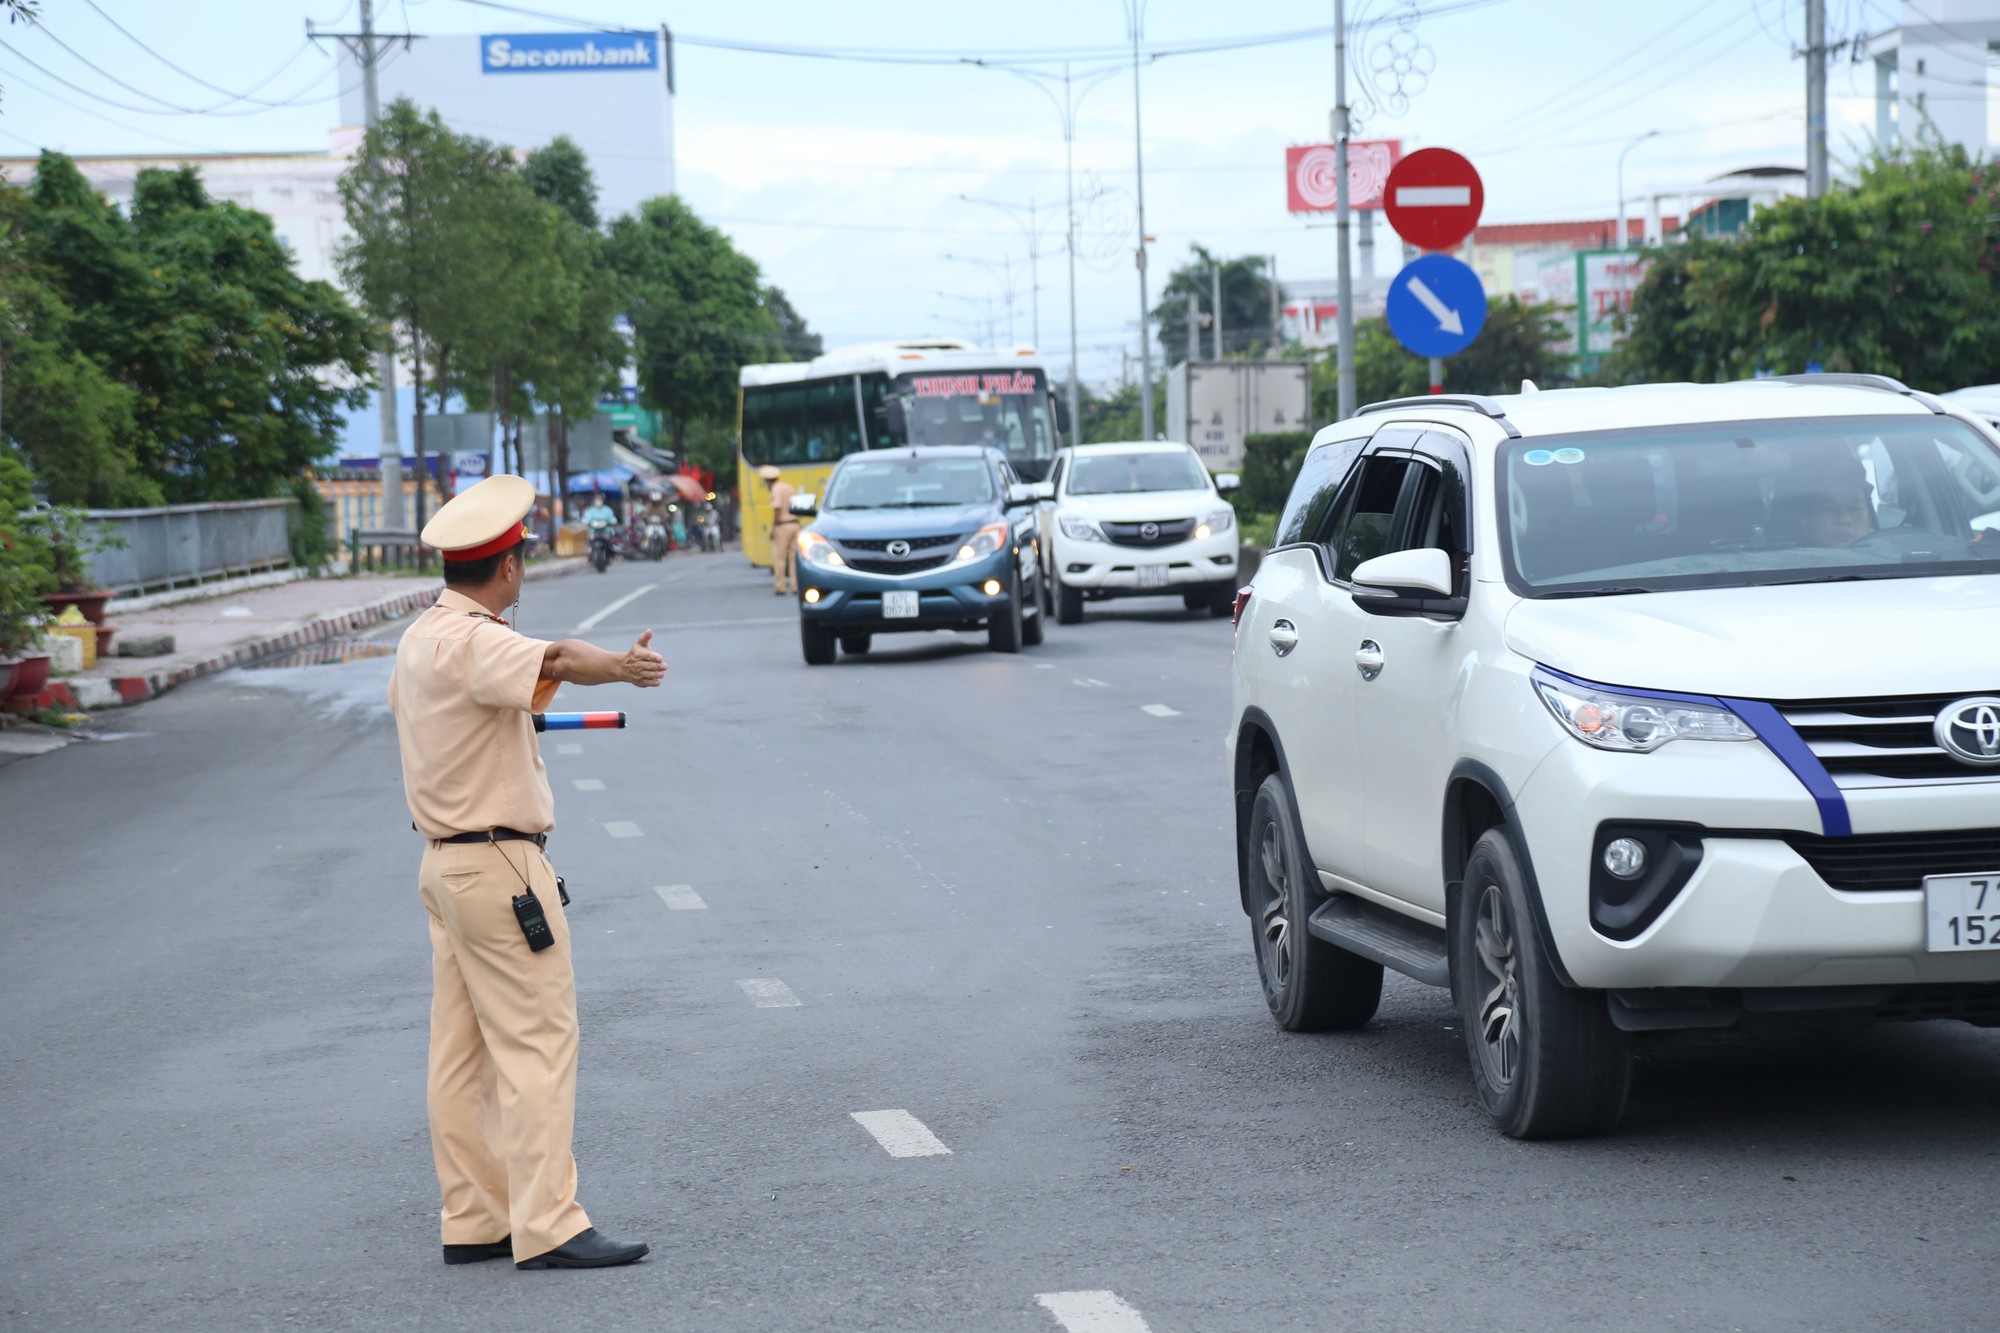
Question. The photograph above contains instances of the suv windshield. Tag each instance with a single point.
(1141, 470)
(1748, 503)
(909, 483)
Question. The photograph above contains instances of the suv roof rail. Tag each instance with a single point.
(1884, 383)
(1478, 402)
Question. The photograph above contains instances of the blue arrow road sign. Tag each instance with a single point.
(1436, 306)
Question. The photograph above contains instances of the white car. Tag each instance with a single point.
(1137, 519)
(1627, 710)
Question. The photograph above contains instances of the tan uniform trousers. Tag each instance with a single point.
(503, 1051)
(785, 557)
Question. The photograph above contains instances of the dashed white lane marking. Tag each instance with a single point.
(1092, 1312)
(588, 784)
(569, 747)
(770, 993)
(681, 898)
(900, 1133)
(1092, 683)
(593, 621)
(1159, 710)
(1045, 666)
(622, 828)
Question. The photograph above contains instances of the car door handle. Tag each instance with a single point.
(1284, 637)
(1368, 659)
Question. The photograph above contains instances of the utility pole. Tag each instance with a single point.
(1342, 213)
(1815, 98)
(1194, 327)
(1215, 304)
(1277, 313)
(1069, 244)
(390, 464)
(1137, 12)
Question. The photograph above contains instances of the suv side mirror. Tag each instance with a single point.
(1028, 492)
(1404, 575)
(1227, 481)
(805, 506)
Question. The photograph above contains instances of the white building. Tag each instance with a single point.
(1933, 74)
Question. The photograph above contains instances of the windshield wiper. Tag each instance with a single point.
(1594, 592)
(922, 504)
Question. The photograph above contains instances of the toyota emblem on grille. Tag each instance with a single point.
(1969, 731)
(899, 548)
(1150, 531)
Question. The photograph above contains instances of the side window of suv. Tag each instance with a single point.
(1366, 520)
(1315, 491)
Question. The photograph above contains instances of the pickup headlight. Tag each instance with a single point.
(1222, 520)
(1633, 722)
(1079, 529)
(817, 550)
(993, 537)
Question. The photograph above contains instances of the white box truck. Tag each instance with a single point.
(1213, 404)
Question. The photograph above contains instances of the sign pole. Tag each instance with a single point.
(1342, 218)
(1437, 374)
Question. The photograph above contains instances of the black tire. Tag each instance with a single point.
(600, 559)
(1223, 605)
(1069, 603)
(1310, 985)
(1035, 628)
(818, 643)
(855, 642)
(1195, 601)
(1546, 1059)
(1003, 628)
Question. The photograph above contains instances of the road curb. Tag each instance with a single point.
(93, 693)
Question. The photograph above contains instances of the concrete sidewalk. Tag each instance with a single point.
(243, 626)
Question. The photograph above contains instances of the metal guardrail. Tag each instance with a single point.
(385, 548)
(176, 544)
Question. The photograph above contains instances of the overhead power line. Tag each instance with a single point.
(188, 74)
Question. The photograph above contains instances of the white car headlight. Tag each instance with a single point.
(1222, 520)
(984, 542)
(1635, 723)
(1079, 529)
(817, 550)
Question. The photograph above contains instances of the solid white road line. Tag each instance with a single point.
(1159, 710)
(770, 993)
(592, 622)
(900, 1133)
(1092, 1312)
(622, 828)
(588, 784)
(569, 747)
(681, 897)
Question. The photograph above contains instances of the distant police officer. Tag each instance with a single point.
(502, 1088)
(784, 532)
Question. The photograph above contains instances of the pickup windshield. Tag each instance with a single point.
(909, 483)
(1134, 472)
(1749, 503)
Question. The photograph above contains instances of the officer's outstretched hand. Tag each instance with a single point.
(642, 666)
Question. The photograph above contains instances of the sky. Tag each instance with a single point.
(851, 182)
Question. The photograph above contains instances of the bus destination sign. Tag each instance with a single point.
(962, 386)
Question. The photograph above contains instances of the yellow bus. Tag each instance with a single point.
(804, 416)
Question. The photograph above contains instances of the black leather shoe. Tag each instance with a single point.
(587, 1249)
(472, 1254)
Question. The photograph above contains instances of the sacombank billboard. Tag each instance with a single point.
(568, 52)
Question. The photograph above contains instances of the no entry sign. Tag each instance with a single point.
(1433, 198)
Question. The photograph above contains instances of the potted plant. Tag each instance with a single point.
(26, 572)
(72, 539)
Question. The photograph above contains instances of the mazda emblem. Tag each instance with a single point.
(899, 548)
(1150, 531)
(1969, 731)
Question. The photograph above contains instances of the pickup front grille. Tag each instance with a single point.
(916, 566)
(1883, 862)
(1166, 532)
(1882, 742)
(882, 543)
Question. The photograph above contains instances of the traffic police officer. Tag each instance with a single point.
(502, 1087)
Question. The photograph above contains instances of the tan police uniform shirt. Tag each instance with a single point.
(781, 503)
(463, 691)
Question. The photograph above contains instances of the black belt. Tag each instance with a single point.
(540, 840)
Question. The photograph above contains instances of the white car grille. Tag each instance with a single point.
(1881, 742)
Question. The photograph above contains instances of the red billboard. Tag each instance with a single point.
(1310, 174)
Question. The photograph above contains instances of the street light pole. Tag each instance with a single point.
(1069, 246)
(1136, 10)
(1623, 242)
(1342, 213)
(389, 465)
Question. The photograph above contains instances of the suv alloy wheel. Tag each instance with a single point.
(1310, 985)
(1546, 1059)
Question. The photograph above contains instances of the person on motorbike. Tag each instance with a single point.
(599, 521)
(600, 514)
(650, 523)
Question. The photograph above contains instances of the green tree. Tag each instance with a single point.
(697, 312)
(1517, 343)
(27, 567)
(1246, 306)
(1898, 274)
(559, 172)
(1115, 416)
(800, 343)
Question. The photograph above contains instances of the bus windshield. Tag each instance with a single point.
(1003, 409)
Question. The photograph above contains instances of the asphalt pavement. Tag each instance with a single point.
(915, 996)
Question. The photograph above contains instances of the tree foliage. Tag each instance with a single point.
(1246, 306)
(1898, 274)
(559, 172)
(1518, 342)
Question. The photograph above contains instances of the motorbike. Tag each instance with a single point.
(655, 541)
(600, 546)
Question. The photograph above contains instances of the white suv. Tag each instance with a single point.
(1137, 520)
(1627, 710)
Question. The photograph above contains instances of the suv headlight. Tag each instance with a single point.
(1634, 722)
(985, 542)
(1079, 529)
(817, 550)
(1222, 520)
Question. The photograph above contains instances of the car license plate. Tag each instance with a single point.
(899, 605)
(1152, 576)
(1962, 912)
